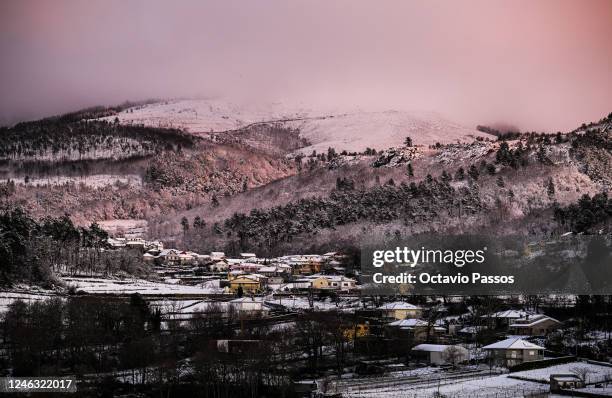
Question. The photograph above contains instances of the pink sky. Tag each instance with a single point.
(543, 64)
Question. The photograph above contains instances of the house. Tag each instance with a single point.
(513, 351)
(304, 264)
(565, 381)
(216, 256)
(247, 255)
(471, 331)
(116, 243)
(302, 284)
(249, 305)
(148, 257)
(219, 266)
(273, 273)
(503, 319)
(440, 354)
(188, 258)
(135, 244)
(320, 283)
(400, 310)
(331, 282)
(154, 245)
(536, 325)
(416, 329)
(250, 283)
(246, 267)
(341, 283)
(169, 256)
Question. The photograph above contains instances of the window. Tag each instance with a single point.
(532, 352)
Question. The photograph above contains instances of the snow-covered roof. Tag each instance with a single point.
(398, 305)
(533, 321)
(412, 323)
(508, 314)
(513, 343)
(432, 347)
(472, 329)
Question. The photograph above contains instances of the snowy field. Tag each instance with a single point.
(594, 373)
(7, 297)
(351, 129)
(470, 382)
(141, 286)
(427, 382)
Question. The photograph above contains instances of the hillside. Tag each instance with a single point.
(104, 170)
(353, 130)
(521, 185)
(261, 183)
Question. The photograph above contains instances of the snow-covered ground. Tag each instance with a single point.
(301, 302)
(594, 373)
(351, 129)
(7, 297)
(127, 227)
(143, 287)
(427, 382)
(467, 382)
(93, 181)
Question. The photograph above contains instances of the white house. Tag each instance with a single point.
(514, 351)
(400, 310)
(441, 354)
(249, 305)
(216, 256)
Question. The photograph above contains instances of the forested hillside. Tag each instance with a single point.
(101, 169)
(540, 183)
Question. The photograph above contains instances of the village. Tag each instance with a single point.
(409, 346)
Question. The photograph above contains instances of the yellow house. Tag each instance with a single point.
(401, 310)
(320, 283)
(249, 283)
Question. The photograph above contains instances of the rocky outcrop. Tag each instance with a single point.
(395, 157)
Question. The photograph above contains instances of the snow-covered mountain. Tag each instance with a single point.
(353, 130)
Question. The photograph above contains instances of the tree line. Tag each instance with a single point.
(414, 202)
(35, 250)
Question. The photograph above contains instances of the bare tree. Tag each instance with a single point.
(582, 372)
(452, 355)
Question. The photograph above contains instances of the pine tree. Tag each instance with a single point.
(550, 188)
(214, 201)
(410, 171)
(408, 142)
(473, 172)
(460, 174)
(185, 225)
(541, 155)
(491, 169)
